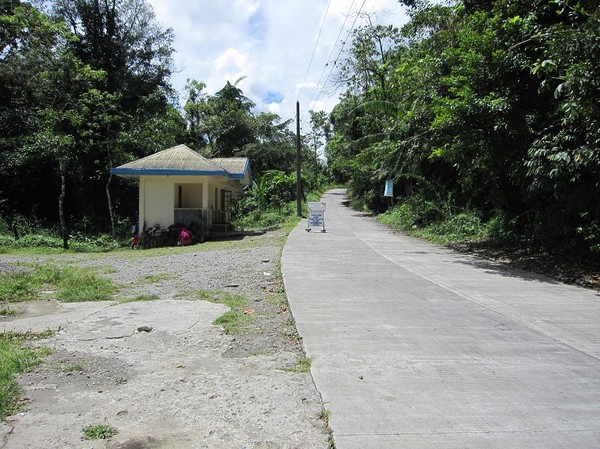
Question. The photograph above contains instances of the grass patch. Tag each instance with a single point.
(140, 298)
(236, 320)
(430, 222)
(302, 366)
(324, 415)
(76, 367)
(67, 284)
(15, 359)
(154, 278)
(6, 310)
(98, 432)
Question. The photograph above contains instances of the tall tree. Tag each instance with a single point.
(272, 146)
(489, 105)
(112, 102)
(196, 112)
(230, 121)
(123, 39)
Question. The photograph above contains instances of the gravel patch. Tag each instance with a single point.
(159, 371)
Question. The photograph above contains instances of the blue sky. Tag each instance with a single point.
(269, 42)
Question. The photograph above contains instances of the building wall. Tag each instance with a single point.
(188, 195)
(158, 201)
(159, 196)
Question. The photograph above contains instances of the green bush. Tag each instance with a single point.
(263, 219)
(400, 218)
(90, 244)
(433, 221)
(77, 243)
(465, 226)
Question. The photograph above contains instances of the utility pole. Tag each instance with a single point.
(298, 162)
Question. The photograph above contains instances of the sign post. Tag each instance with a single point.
(316, 216)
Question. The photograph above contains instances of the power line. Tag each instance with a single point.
(315, 49)
(340, 52)
(333, 49)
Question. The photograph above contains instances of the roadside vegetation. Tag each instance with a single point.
(31, 283)
(482, 114)
(438, 223)
(47, 281)
(15, 358)
(238, 318)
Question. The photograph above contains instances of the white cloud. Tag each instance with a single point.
(270, 42)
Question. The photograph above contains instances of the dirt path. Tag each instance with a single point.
(159, 371)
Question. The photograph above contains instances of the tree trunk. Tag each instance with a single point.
(108, 198)
(61, 203)
(110, 208)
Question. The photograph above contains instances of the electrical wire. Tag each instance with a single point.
(332, 50)
(329, 61)
(340, 52)
(314, 49)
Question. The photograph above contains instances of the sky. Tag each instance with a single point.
(270, 43)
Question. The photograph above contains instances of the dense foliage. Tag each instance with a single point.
(485, 106)
(85, 86)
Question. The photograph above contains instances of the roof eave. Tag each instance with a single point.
(137, 172)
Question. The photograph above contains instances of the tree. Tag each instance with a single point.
(66, 95)
(366, 69)
(92, 82)
(196, 112)
(229, 123)
(485, 105)
(122, 39)
(563, 164)
(273, 145)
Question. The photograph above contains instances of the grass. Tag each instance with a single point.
(6, 310)
(76, 367)
(140, 298)
(324, 416)
(235, 321)
(15, 358)
(302, 366)
(98, 432)
(444, 229)
(154, 278)
(67, 284)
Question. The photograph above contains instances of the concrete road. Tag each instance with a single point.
(416, 346)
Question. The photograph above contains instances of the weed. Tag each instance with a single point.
(302, 366)
(154, 278)
(76, 367)
(140, 298)
(7, 311)
(68, 284)
(98, 432)
(235, 321)
(14, 359)
(330, 442)
(324, 415)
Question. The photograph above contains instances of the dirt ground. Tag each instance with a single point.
(159, 371)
